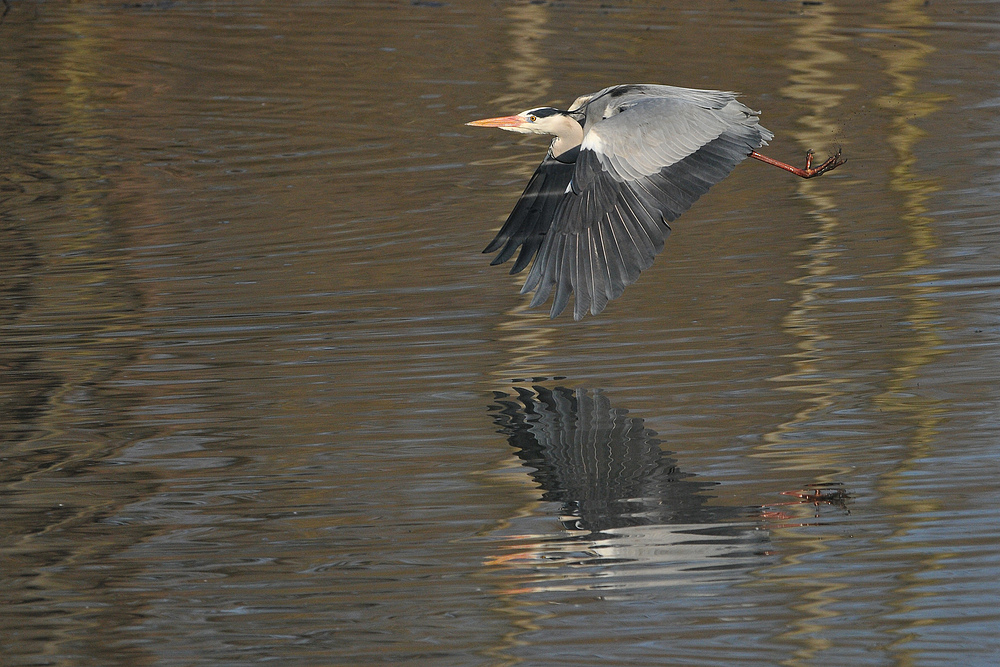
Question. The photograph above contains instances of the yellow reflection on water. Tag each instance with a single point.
(75, 236)
(815, 50)
(816, 53)
(524, 337)
(811, 83)
(525, 334)
(527, 68)
(81, 280)
(904, 57)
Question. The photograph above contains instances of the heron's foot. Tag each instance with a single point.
(831, 163)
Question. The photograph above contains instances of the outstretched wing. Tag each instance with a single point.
(528, 223)
(644, 160)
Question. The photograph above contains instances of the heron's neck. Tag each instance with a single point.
(569, 135)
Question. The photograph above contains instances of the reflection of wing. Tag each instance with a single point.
(648, 153)
(604, 467)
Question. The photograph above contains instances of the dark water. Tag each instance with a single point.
(264, 400)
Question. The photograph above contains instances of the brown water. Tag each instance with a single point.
(264, 400)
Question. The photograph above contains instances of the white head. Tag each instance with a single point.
(543, 120)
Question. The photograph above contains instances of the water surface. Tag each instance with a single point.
(264, 399)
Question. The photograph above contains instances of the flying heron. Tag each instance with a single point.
(625, 162)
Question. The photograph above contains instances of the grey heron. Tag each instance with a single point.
(624, 163)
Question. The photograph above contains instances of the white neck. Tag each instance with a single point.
(569, 135)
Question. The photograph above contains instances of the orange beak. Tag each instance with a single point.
(502, 121)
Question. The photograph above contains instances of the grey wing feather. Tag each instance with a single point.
(648, 154)
(640, 137)
(634, 91)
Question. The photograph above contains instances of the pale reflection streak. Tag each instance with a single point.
(79, 279)
(904, 58)
(815, 49)
(526, 64)
(816, 53)
(76, 278)
(526, 331)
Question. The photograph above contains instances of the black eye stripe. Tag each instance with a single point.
(543, 112)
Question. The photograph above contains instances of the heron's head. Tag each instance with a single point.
(543, 120)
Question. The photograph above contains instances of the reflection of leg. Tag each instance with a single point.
(831, 163)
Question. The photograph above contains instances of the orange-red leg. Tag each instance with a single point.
(831, 163)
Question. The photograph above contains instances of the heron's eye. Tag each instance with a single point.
(532, 118)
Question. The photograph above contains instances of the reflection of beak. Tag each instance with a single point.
(502, 121)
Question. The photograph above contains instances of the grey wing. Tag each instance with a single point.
(638, 169)
(633, 91)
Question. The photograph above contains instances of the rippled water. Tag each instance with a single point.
(264, 399)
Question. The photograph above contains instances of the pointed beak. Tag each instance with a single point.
(502, 121)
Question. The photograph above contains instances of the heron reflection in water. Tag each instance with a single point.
(612, 479)
(624, 163)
